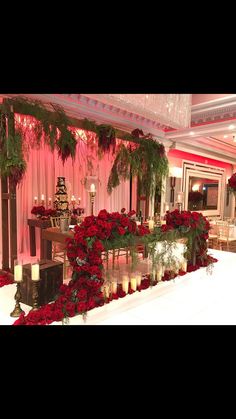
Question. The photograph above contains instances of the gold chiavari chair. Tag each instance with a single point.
(225, 237)
(59, 249)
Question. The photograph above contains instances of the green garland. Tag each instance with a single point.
(106, 135)
(47, 123)
(147, 161)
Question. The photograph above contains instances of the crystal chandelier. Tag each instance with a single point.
(172, 110)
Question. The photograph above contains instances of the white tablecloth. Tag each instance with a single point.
(195, 298)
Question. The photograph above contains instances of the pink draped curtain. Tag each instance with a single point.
(43, 168)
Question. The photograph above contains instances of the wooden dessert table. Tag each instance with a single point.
(41, 224)
(53, 234)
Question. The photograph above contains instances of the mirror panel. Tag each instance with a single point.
(203, 188)
(202, 194)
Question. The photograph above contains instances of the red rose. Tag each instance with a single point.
(81, 307)
(82, 294)
(103, 214)
(98, 246)
(92, 231)
(123, 210)
(130, 213)
(121, 231)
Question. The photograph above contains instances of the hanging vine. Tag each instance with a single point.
(12, 162)
(52, 126)
(106, 136)
(145, 158)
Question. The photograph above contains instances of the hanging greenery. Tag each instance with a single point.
(12, 162)
(48, 124)
(145, 159)
(106, 135)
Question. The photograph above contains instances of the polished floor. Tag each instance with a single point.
(198, 298)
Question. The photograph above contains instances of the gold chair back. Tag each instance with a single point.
(55, 221)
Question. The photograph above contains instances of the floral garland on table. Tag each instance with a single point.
(195, 227)
(41, 211)
(189, 225)
(54, 312)
(232, 184)
(91, 238)
(109, 231)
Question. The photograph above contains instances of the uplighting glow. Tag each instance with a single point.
(176, 172)
(196, 187)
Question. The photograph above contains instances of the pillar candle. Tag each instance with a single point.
(114, 287)
(138, 279)
(133, 282)
(79, 200)
(49, 201)
(35, 200)
(35, 272)
(107, 291)
(42, 199)
(159, 270)
(184, 265)
(151, 224)
(167, 207)
(125, 283)
(180, 197)
(92, 187)
(18, 273)
(159, 276)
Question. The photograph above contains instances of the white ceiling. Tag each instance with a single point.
(212, 116)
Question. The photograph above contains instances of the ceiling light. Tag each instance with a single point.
(225, 136)
(191, 133)
(231, 127)
(146, 104)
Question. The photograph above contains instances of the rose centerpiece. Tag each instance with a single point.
(232, 184)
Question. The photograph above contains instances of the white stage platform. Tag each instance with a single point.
(196, 298)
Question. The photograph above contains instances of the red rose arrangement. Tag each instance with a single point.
(232, 183)
(43, 212)
(195, 196)
(84, 251)
(193, 225)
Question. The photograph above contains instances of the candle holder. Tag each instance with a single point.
(17, 310)
(35, 295)
(180, 206)
(92, 199)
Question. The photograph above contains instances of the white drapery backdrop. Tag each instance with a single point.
(43, 168)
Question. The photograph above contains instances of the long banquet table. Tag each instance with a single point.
(192, 299)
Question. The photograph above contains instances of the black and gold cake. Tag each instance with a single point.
(61, 203)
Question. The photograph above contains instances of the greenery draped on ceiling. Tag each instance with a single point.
(138, 154)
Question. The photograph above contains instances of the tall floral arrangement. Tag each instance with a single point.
(194, 226)
(232, 184)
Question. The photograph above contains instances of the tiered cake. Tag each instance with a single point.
(61, 203)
